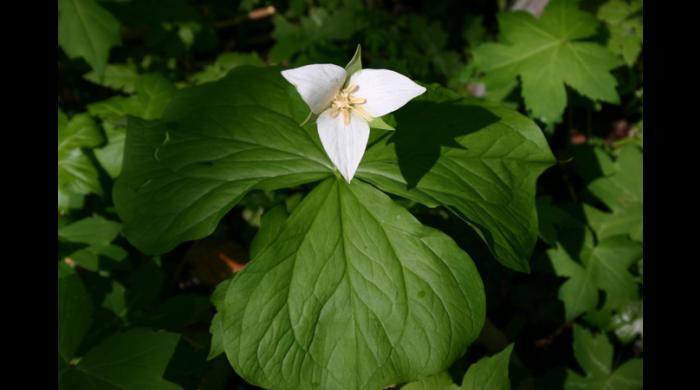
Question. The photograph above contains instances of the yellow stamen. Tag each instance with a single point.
(344, 103)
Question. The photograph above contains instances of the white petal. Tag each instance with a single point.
(317, 84)
(385, 90)
(345, 145)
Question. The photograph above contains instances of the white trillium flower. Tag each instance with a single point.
(346, 108)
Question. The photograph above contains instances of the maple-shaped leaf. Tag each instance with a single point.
(622, 192)
(548, 54)
(624, 21)
(603, 265)
(595, 355)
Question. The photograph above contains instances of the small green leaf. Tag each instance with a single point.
(353, 294)
(378, 123)
(546, 54)
(489, 373)
(355, 63)
(97, 233)
(441, 381)
(624, 21)
(92, 231)
(225, 63)
(74, 316)
(595, 354)
(217, 338)
(604, 265)
(622, 192)
(77, 176)
(110, 156)
(87, 30)
(153, 93)
(135, 359)
(120, 77)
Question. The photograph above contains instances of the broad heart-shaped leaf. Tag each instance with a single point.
(622, 193)
(546, 54)
(134, 360)
(604, 265)
(87, 30)
(214, 143)
(353, 294)
(77, 176)
(478, 159)
(595, 354)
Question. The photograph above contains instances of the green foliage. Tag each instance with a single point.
(601, 265)
(97, 233)
(87, 30)
(77, 175)
(183, 173)
(153, 92)
(74, 318)
(135, 359)
(120, 77)
(490, 185)
(624, 21)
(546, 54)
(363, 285)
(595, 355)
(132, 360)
(621, 191)
(225, 63)
(179, 140)
(490, 373)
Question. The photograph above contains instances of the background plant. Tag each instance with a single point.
(575, 320)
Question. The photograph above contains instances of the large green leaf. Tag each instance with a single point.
(77, 176)
(603, 265)
(214, 143)
(478, 159)
(133, 360)
(547, 54)
(87, 30)
(595, 355)
(354, 293)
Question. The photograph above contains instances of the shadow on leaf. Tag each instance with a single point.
(425, 127)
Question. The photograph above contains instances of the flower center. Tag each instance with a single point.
(344, 103)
